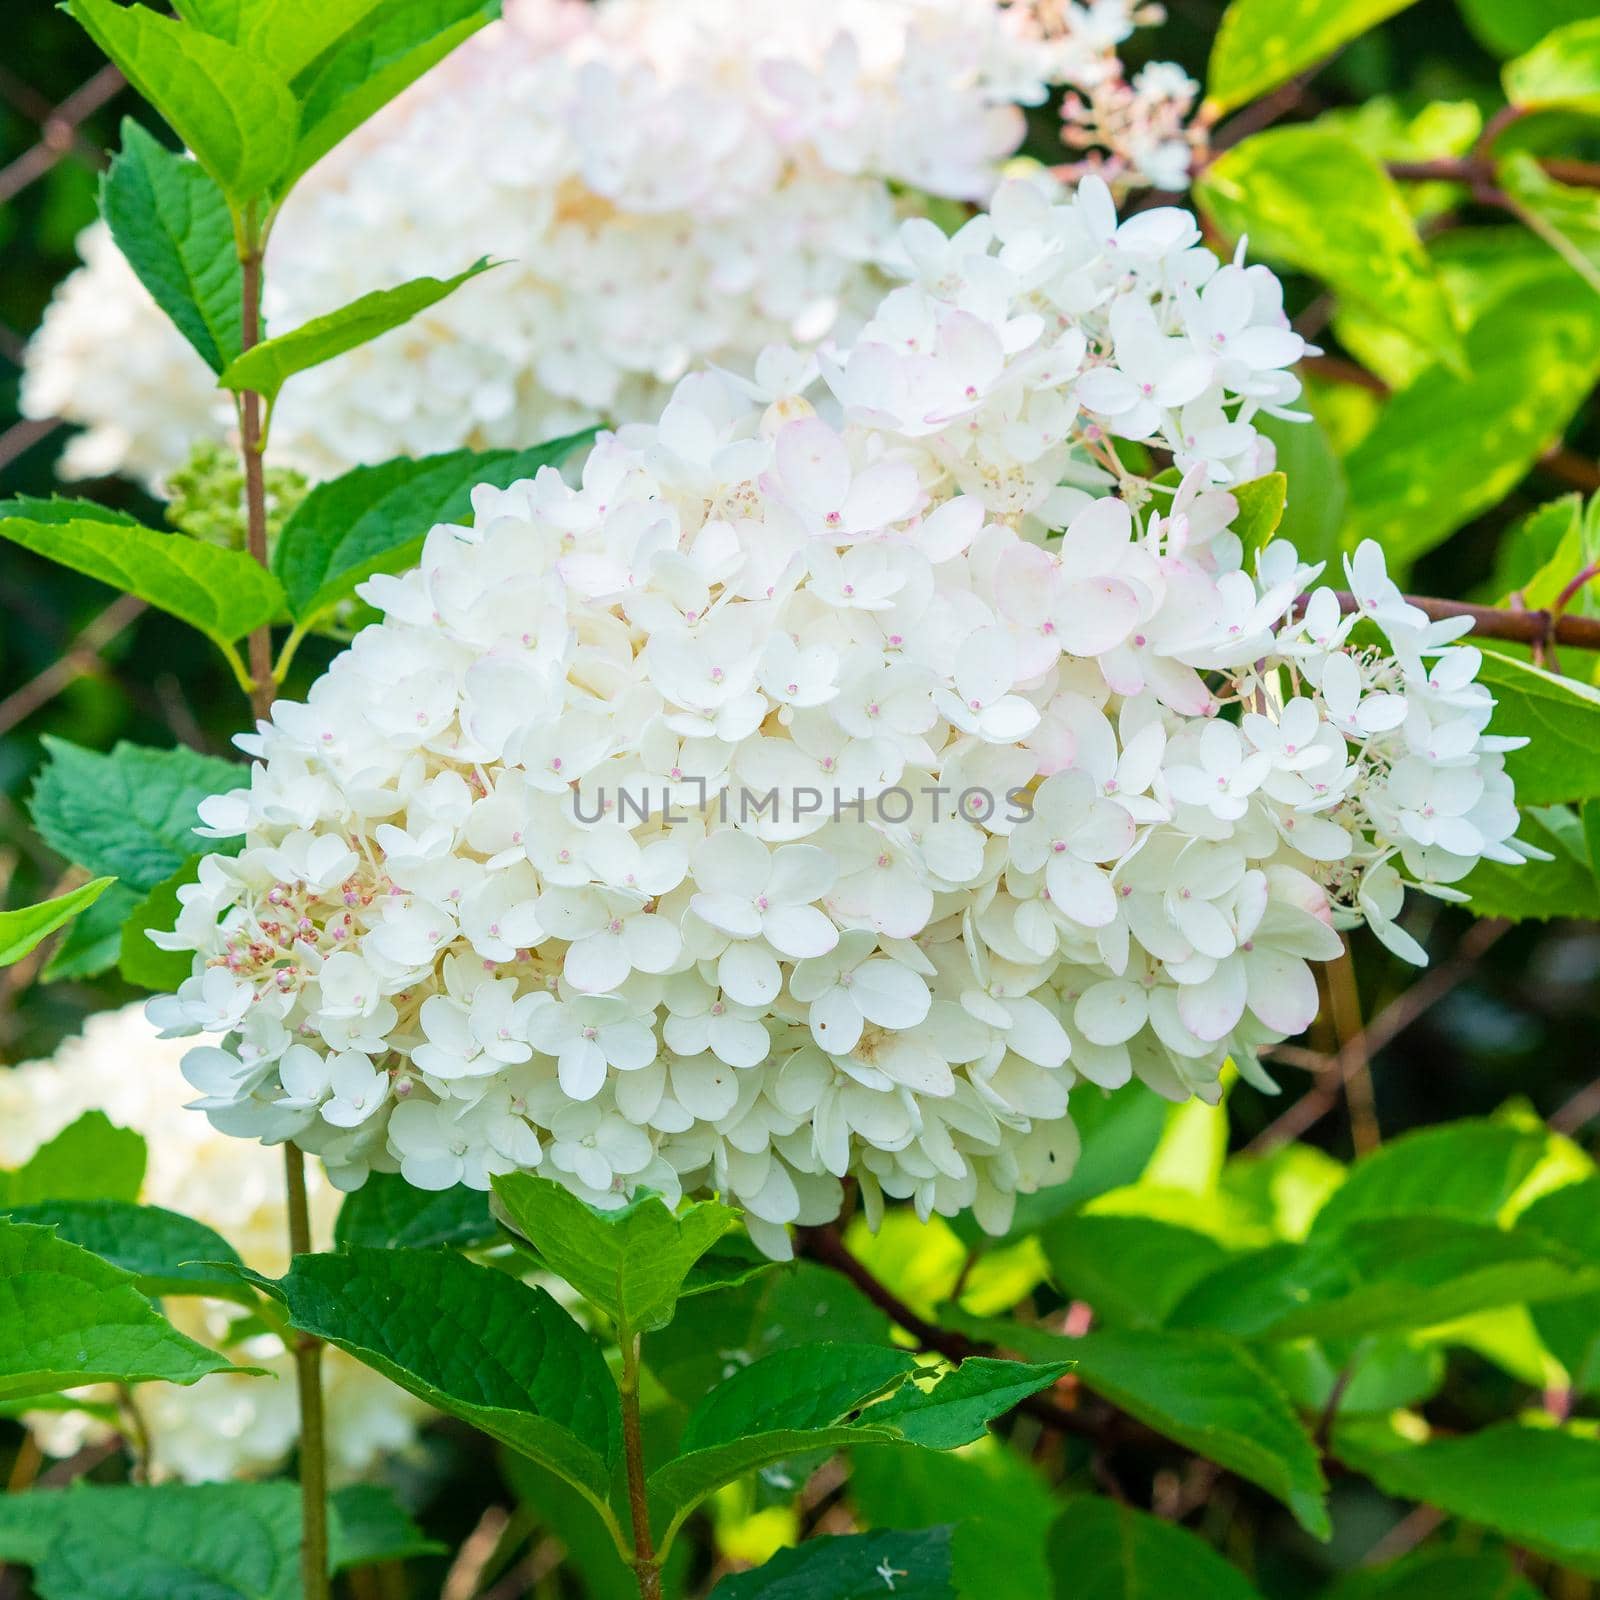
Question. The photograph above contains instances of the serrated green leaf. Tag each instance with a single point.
(1315, 200)
(63, 508)
(68, 1318)
(267, 366)
(166, 1252)
(142, 963)
(1103, 1551)
(1561, 72)
(471, 1341)
(373, 519)
(1449, 447)
(221, 592)
(1537, 1486)
(368, 1525)
(387, 1213)
(26, 928)
(237, 117)
(1205, 1391)
(1570, 1329)
(1378, 1275)
(131, 813)
(857, 1566)
(959, 1406)
(813, 1386)
(392, 46)
(171, 221)
(90, 1159)
(1262, 43)
(1132, 1270)
(630, 1262)
(1434, 1574)
(1466, 1170)
(1564, 886)
(285, 35)
(1560, 718)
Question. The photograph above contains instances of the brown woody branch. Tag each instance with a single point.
(1490, 622)
(1479, 172)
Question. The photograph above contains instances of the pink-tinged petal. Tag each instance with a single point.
(1283, 993)
(883, 494)
(814, 465)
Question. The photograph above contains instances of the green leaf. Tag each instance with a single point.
(1539, 890)
(1262, 43)
(1467, 1169)
(1378, 1275)
(237, 117)
(172, 223)
(629, 1262)
(1369, 1376)
(90, 1159)
(812, 1386)
(213, 1541)
(1317, 491)
(369, 1526)
(68, 1318)
(374, 519)
(1567, 219)
(959, 1406)
(1570, 1329)
(857, 1566)
(1103, 1551)
(1561, 72)
(24, 929)
(392, 46)
(93, 940)
(166, 1252)
(1560, 718)
(1450, 447)
(63, 508)
(1261, 502)
(285, 35)
(1315, 200)
(387, 1213)
(221, 592)
(267, 366)
(138, 960)
(1433, 1574)
(471, 1341)
(1132, 1270)
(1537, 1486)
(1205, 1391)
(131, 813)
(794, 1305)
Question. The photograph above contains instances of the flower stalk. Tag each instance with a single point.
(646, 1567)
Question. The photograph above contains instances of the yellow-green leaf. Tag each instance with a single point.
(22, 930)
(1561, 72)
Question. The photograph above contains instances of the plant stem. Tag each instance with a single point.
(307, 1351)
(645, 1566)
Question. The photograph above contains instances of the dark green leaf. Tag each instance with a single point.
(1103, 1551)
(138, 960)
(1560, 717)
(859, 1566)
(387, 1213)
(1435, 1575)
(1132, 1270)
(958, 1408)
(26, 928)
(369, 1525)
(373, 519)
(172, 223)
(1564, 886)
(90, 1159)
(267, 366)
(1317, 490)
(132, 813)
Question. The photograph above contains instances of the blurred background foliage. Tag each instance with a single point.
(1503, 1028)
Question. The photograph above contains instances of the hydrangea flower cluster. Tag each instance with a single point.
(671, 182)
(841, 772)
(222, 1427)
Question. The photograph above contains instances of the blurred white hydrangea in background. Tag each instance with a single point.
(671, 182)
(223, 1426)
(504, 901)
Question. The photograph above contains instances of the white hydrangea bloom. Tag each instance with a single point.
(222, 1427)
(833, 779)
(670, 182)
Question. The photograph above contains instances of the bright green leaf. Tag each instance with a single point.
(171, 221)
(68, 1318)
(1261, 503)
(858, 1566)
(131, 813)
(92, 940)
(960, 1405)
(373, 519)
(631, 1261)
(90, 1159)
(1560, 717)
(1564, 886)
(471, 1341)
(267, 366)
(221, 592)
(1567, 219)
(1374, 1375)
(387, 1213)
(1317, 492)
(1570, 1329)
(1315, 200)
(237, 117)
(1561, 72)
(1103, 1551)
(1132, 1270)
(285, 35)
(27, 927)
(1262, 43)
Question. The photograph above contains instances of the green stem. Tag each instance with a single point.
(646, 1568)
